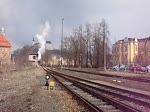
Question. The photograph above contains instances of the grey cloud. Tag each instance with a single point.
(23, 18)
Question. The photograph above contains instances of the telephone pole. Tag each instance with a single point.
(62, 44)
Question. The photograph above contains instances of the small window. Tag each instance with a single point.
(34, 57)
(126, 57)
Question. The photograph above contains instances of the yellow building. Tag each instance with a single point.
(125, 51)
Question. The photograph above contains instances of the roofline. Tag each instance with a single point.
(33, 54)
(6, 46)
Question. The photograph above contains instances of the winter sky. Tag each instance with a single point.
(23, 19)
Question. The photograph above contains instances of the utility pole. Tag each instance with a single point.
(87, 55)
(62, 44)
(104, 48)
(104, 53)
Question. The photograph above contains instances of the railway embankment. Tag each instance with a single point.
(23, 90)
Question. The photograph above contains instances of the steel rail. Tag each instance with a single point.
(140, 102)
(114, 76)
(112, 87)
(92, 107)
(111, 101)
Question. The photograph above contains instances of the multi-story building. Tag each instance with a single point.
(144, 51)
(125, 51)
(5, 51)
(48, 45)
(148, 51)
(142, 54)
(132, 50)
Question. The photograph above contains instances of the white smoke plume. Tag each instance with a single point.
(41, 39)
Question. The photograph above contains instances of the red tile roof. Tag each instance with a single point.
(4, 42)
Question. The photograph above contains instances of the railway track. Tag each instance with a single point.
(141, 79)
(103, 98)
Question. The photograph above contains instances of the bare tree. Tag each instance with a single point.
(75, 47)
(21, 55)
(82, 46)
(46, 57)
(90, 47)
(97, 40)
(88, 44)
(105, 34)
(68, 50)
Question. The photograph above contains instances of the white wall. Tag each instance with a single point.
(31, 57)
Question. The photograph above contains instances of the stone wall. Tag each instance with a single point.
(5, 56)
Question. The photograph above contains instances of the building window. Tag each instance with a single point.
(126, 57)
(126, 48)
(34, 57)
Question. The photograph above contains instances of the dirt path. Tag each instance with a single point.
(24, 91)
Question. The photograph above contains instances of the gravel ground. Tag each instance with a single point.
(24, 91)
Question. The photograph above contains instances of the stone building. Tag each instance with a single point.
(125, 51)
(33, 59)
(48, 45)
(5, 51)
(132, 50)
(148, 51)
(144, 51)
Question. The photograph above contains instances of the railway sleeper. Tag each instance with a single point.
(86, 96)
(86, 93)
(108, 108)
(122, 99)
(99, 103)
(116, 110)
(95, 100)
(104, 106)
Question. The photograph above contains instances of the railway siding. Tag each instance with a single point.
(131, 82)
(108, 96)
